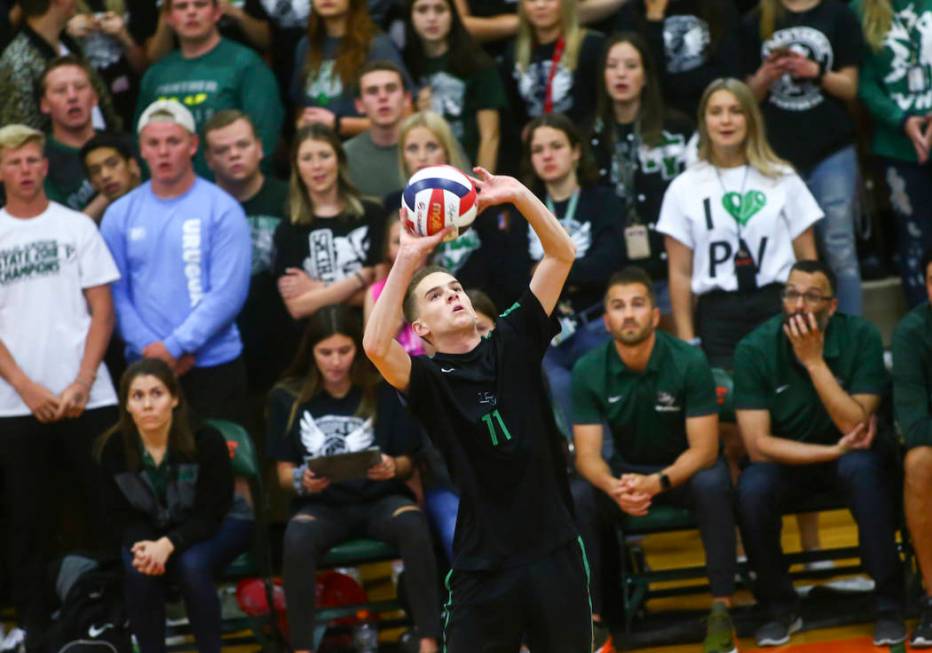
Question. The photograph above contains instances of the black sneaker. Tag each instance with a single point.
(889, 630)
(922, 634)
(778, 631)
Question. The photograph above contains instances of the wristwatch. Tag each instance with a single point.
(665, 483)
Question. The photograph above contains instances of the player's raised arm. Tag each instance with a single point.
(559, 251)
(378, 340)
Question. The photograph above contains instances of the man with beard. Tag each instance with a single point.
(807, 385)
(657, 395)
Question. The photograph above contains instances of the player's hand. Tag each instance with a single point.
(311, 115)
(72, 400)
(641, 484)
(917, 129)
(296, 282)
(494, 189)
(384, 470)
(158, 350)
(861, 437)
(806, 337)
(799, 66)
(314, 483)
(41, 401)
(771, 69)
(415, 248)
(636, 504)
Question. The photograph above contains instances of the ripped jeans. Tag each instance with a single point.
(910, 187)
(315, 528)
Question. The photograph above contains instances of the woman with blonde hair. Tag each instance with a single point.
(553, 63)
(734, 224)
(326, 251)
(432, 143)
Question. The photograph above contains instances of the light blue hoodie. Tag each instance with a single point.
(184, 271)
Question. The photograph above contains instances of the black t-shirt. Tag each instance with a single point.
(489, 414)
(656, 166)
(490, 9)
(572, 92)
(804, 123)
(326, 425)
(690, 51)
(288, 19)
(595, 225)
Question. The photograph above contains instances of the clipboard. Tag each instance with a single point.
(345, 466)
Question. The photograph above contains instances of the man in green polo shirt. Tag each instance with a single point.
(912, 387)
(657, 395)
(807, 384)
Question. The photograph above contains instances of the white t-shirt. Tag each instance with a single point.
(45, 264)
(703, 210)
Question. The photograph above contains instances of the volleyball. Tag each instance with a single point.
(438, 197)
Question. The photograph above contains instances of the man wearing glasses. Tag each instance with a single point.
(807, 385)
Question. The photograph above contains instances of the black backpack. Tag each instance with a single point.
(92, 617)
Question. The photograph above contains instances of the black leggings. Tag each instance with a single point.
(315, 528)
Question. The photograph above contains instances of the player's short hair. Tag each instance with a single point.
(633, 275)
(377, 65)
(61, 62)
(13, 137)
(409, 307)
(226, 118)
(110, 140)
(813, 267)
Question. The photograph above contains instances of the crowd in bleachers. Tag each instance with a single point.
(200, 208)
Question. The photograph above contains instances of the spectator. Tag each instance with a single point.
(330, 402)
(807, 385)
(288, 21)
(639, 146)
(803, 68)
(911, 388)
(341, 39)
(209, 73)
(169, 497)
(110, 166)
(68, 99)
(41, 38)
(561, 174)
(553, 64)
(457, 79)
(693, 41)
(372, 155)
(657, 395)
(183, 248)
(326, 251)
(56, 316)
(895, 87)
(734, 224)
(234, 153)
(112, 39)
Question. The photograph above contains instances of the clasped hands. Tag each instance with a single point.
(150, 556)
(634, 492)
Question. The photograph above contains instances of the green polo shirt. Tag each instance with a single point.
(158, 475)
(647, 410)
(912, 376)
(768, 376)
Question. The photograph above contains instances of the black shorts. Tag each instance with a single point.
(546, 603)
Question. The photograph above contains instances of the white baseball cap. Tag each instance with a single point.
(167, 111)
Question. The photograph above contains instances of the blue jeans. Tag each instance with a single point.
(443, 504)
(865, 480)
(911, 200)
(559, 361)
(834, 184)
(194, 571)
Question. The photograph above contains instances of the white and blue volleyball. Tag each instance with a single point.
(439, 197)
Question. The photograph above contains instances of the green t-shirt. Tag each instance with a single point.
(768, 376)
(231, 76)
(66, 182)
(912, 376)
(459, 100)
(646, 411)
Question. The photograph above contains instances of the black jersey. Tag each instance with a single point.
(489, 413)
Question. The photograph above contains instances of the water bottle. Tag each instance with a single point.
(365, 633)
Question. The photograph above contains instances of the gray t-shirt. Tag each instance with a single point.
(375, 170)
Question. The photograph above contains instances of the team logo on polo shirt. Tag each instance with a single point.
(666, 403)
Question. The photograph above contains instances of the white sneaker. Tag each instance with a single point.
(13, 640)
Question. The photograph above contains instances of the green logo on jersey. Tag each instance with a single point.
(743, 208)
(487, 418)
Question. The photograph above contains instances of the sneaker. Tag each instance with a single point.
(778, 631)
(922, 634)
(889, 630)
(720, 632)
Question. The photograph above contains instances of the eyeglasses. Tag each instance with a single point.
(810, 297)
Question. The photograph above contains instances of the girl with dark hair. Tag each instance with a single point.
(326, 251)
(169, 496)
(639, 148)
(331, 401)
(341, 37)
(693, 41)
(560, 172)
(458, 80)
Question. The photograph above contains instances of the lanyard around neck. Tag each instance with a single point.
(554, 64)
(570, 207)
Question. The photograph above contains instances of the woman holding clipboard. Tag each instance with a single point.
(331, 402)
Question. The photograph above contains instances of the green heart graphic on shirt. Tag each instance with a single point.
(743, 208)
